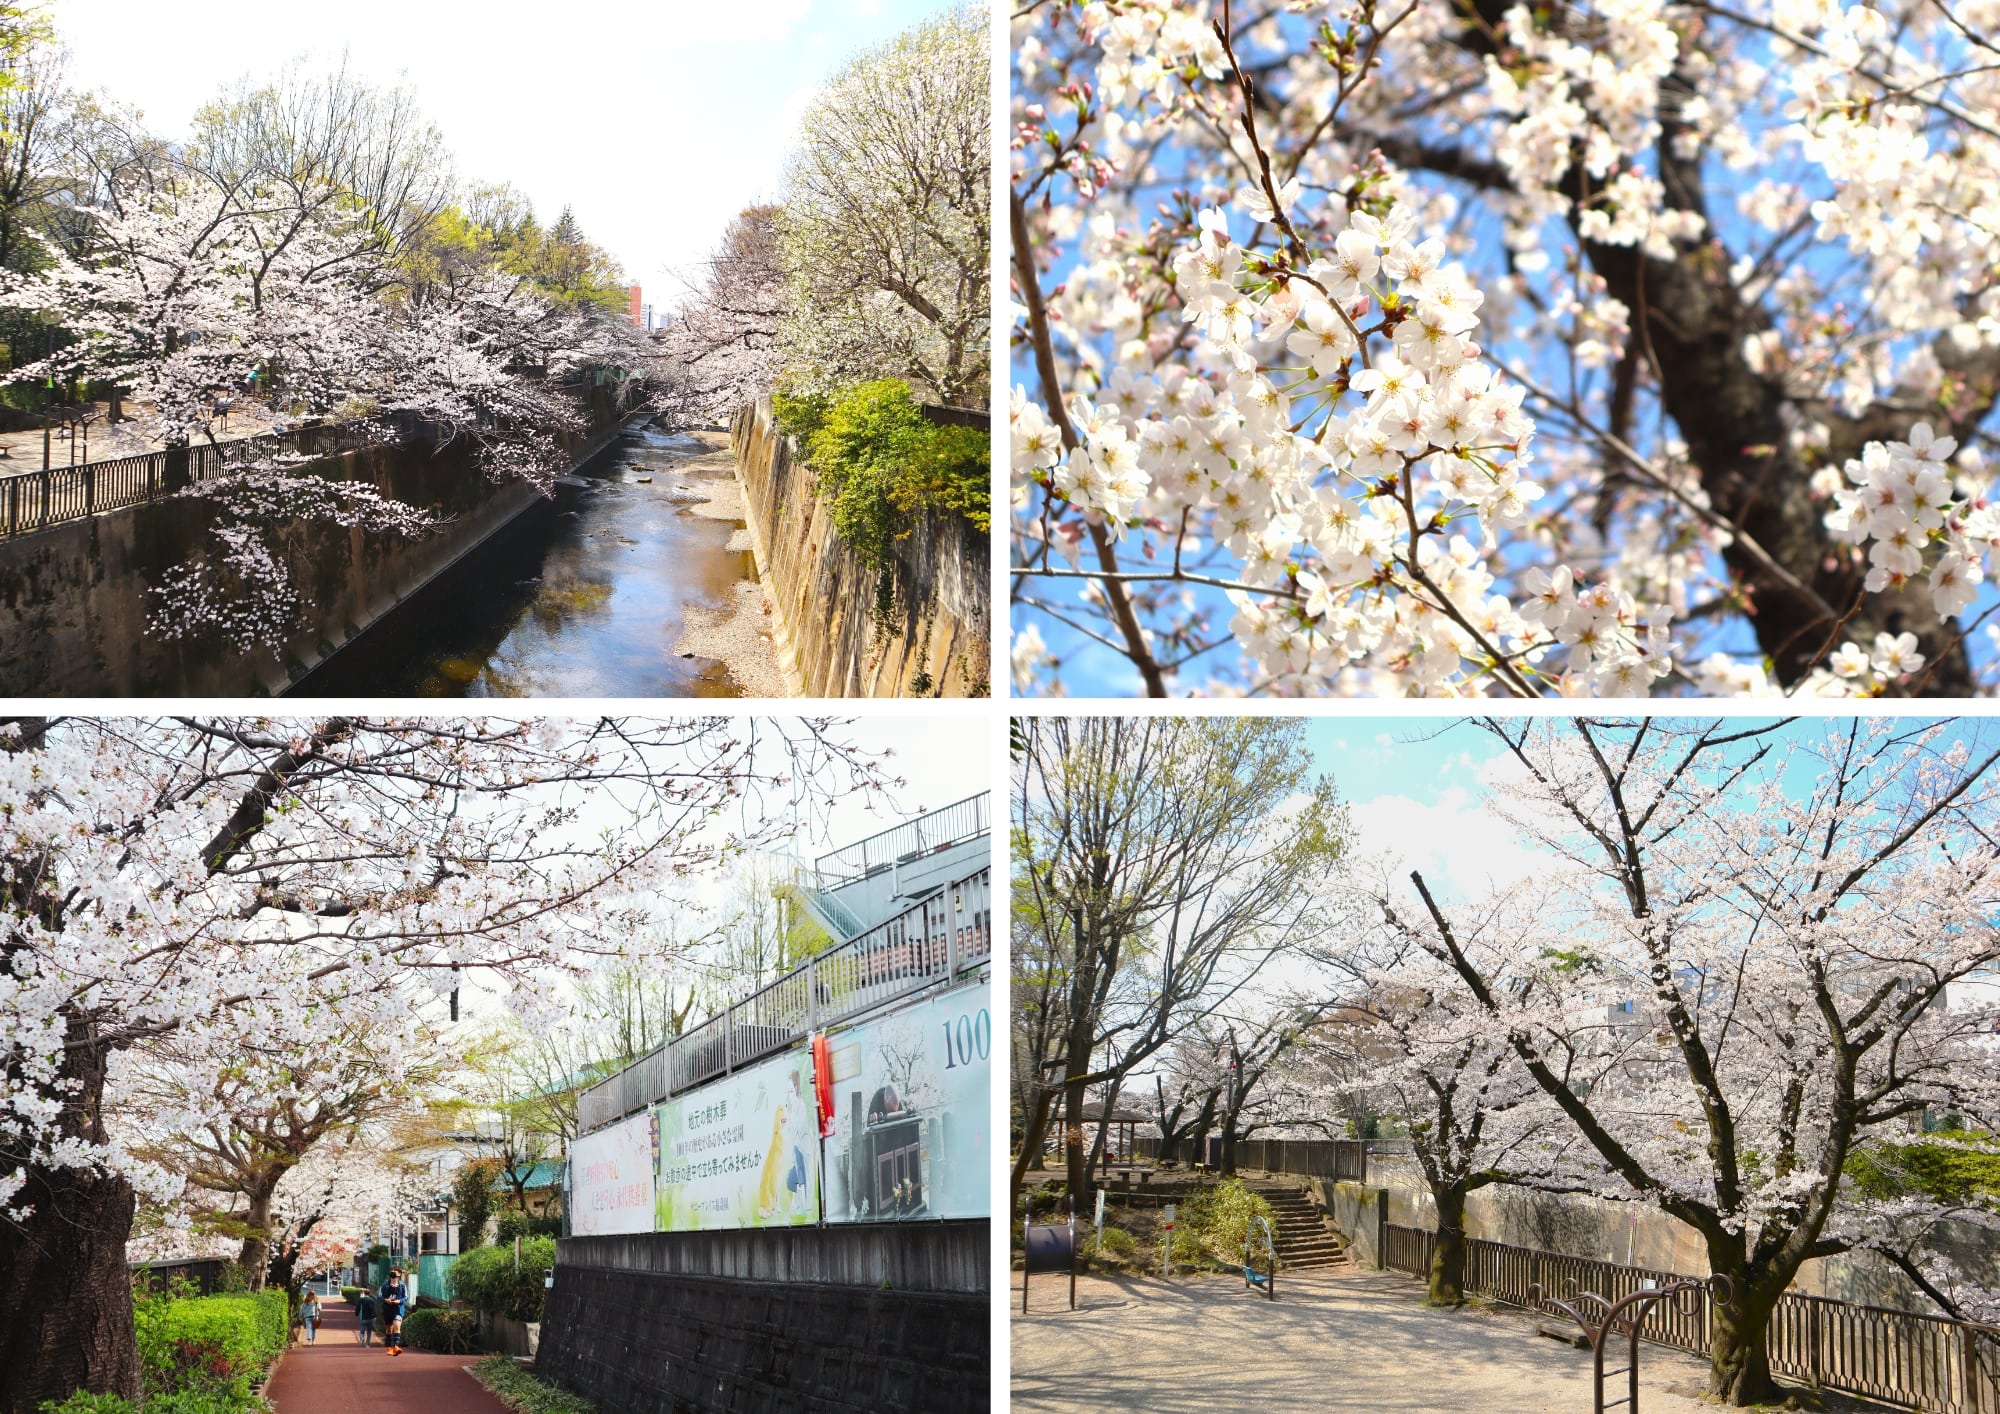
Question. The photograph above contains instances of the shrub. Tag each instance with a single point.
(1115, 1242)
(523, 1393)
(487, 1278)
(513, 1225)
(348, 1293)
(183, 1402)
(1215, 1220)
(450, 1332)
(882, 463)
(212, 1346)
(1116, 1248)
(85, 1403)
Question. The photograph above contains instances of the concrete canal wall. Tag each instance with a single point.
(935, 640)
(1627, 1233)
(75, 598)
(861, 1318)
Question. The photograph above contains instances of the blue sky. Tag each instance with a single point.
(656, 122)
(1416, 787)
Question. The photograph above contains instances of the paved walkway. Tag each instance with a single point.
(22, 450)
(336, 1376)
(1353, 1340)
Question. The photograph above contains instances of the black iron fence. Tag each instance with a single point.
(1920, 1362)
(38, 499)
(35, 500)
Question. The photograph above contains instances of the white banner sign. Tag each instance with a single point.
(611, 1179)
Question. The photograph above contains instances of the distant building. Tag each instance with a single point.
(646, 317)
(637, 307)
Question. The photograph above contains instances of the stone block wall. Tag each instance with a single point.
(662, 1323)
(937, 640)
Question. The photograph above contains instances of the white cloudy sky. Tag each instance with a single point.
(940, 758)
(655, 121)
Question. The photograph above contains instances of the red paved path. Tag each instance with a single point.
(337, 1376)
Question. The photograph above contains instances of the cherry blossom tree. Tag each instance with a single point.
(1475, 1117)
(725, 337)
(192, 287)
(886, 226)
(1752, 962)
(236, 1135)
(1608, 349)
(240, 885)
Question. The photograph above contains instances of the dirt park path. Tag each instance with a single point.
(336, 1376)
(1352, 1341)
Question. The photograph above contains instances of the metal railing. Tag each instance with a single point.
(1921, 1362)
(953, 824)
(38, 499)
(35, 500)
(947, 933)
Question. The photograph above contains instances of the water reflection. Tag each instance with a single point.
(588, 602)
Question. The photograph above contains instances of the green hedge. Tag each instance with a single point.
(450, 1332)
(487, 1278)
(882, 462)
(523, 1393)
(201, 1354)
(348, 1293)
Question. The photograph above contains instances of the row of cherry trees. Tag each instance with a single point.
(1749, 984)
(1484, 348)
(1758, 961)
(198, 915)
(310, 244)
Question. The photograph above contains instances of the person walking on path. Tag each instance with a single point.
(364, 1313)
(309, 1316)
(342, 1378)
(395, 1297)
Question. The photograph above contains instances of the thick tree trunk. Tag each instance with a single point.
(1095, 1164)
(1739, 1372)
(1076, 1159)
(65, 1291)
(255, 1258)
(1082, 1032)
(1447, 1274)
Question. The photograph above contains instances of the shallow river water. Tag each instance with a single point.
(588, 603)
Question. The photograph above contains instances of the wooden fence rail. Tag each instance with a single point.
(1921, 1362)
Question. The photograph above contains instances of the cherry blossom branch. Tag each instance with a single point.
(1136, 647)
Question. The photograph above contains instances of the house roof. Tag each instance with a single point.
(546, 1173)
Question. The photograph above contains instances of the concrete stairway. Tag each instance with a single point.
(1304, 1241)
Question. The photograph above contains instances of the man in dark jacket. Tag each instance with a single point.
(395, 1299)
(364, 1310)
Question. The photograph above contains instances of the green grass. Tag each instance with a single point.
(523, 1393)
